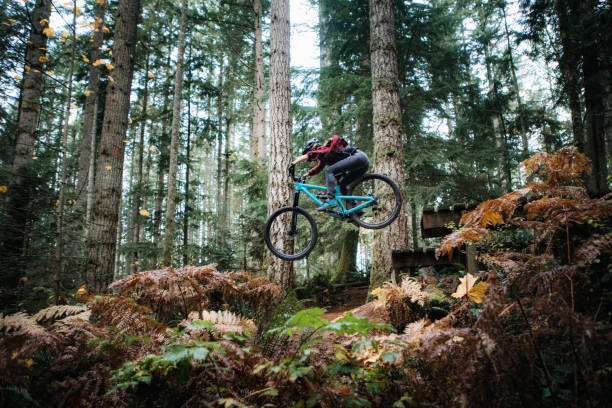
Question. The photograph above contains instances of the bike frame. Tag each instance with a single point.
(341, 208)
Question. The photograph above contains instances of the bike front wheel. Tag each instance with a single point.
(290, 233)
(386, 204)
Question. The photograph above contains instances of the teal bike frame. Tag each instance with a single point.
(341, 209)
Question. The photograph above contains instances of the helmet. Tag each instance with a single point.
(310, 144)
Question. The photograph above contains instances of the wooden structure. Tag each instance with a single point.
(434, 224)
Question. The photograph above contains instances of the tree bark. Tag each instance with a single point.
(101, 243)
(387, 125)
(176, 120)
(595, 147)
(569, 67)
(63, 154)
(187, 170)
(347, 262)
(279, 271)
(258, 142)
(22, 182)
(90, 110)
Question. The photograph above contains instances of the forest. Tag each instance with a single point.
(146, 145)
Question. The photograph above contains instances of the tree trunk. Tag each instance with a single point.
(101, 243)
(347, 262)
(499, 142)
(161, 168)
(176, 121)
(279, 271)
(90, 110)
(569, 67)
(258, 142)
(219, 185)
(387, 125)
(595, 147)
(63, 151)
(22, 184)
(138, 188)
(187, 169)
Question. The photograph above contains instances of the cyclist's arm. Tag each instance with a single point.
(300, 159)
(316, 169)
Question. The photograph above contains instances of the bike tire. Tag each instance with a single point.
(361, 220)
(311, 241)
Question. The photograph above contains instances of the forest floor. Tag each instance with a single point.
(346, 299)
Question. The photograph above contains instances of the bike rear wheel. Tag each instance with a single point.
(386, 205)
(290, 233)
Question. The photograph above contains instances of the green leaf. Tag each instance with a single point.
(273, 392)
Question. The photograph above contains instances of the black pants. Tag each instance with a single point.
(346, 171)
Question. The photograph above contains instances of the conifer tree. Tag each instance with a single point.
(279, 271)
(101, 245)
(387, 120)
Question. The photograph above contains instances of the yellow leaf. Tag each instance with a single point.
(65, 35)
(110, 67)
(100, 2)
(105, 29)
(28, 362)
(82, 290)
(44, 22)
(12, 21)
(85, 58)
(152, 149)
(491, 217)
(14, 355)
(77, 10)
(465, 284)
(109, 167)
(87, 92)
(17, 77)
(34, 157)
(130, 121)
(35, 70)
(145, 213)
(111, 80)
(150, 75)
(126, 141)
(5, 23)
(50, 73)
(110, 52)
(27, 67)
(477, 293)
(3, 189)
(68, 4)
(98, 62)
(42, 59)
(49, 32)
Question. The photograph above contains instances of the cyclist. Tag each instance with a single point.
(348, 162)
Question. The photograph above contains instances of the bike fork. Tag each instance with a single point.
(296, 201)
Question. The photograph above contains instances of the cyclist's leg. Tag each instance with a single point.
(359, 166)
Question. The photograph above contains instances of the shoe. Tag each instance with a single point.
(327, 206)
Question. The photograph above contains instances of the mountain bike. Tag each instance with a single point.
(372, 201)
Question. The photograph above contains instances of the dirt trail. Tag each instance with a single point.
(348, 299)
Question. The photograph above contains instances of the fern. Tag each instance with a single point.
(20, 322)
(56, 312)
(223, 321)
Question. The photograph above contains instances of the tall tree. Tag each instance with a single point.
(101, 243)
(176, 121)
(63, 152)
(387, 121)
(22, 183)
(258, 141)
(279, 271)
(90, 110)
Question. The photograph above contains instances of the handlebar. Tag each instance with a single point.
(291, 169)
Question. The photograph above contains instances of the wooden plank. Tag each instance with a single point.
(421, 257)
(434, 221)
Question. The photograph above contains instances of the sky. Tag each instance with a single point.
(304, 38)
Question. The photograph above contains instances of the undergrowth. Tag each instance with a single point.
(532, 329)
